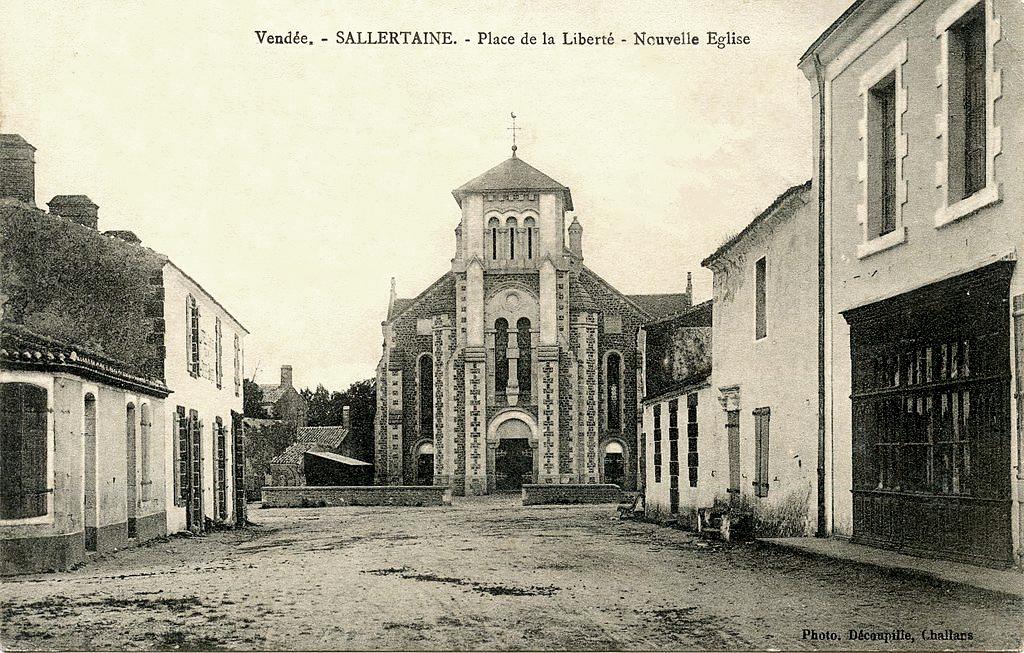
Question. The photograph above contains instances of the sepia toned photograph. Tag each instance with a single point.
(670, 325)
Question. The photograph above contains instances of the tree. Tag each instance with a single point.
(327, 409)
(252, 399)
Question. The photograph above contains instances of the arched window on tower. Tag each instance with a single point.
(512, 225)
(613, 383)
(426, 385)
(493, 225)
(524, 371)
(530, 226)
(501, 356)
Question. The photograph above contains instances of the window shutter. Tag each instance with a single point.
(762, 417)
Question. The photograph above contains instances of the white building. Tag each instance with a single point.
(203, 368)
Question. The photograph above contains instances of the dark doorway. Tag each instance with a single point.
(614, 464)
(513, 465)
(425, 464)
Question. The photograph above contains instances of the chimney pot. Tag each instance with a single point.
(77, 208)
(17, 169)
(286, 376)
(576, 237)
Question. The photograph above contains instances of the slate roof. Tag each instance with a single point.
(663, 305)
(512, 174)
(329, 436)
(402, 305)
(694, 316)
(272, 393)
(293, 454)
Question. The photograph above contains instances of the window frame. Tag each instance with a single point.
(890, 64)
(45, 382)
(949, 212)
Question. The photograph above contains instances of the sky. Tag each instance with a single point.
(294, 181)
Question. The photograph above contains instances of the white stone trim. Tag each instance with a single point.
(992, 193)
(890, 63)
(45, 381)
(869, 37)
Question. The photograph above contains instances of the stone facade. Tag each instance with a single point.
(518, 365)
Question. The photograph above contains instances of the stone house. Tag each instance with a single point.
(679, 450)
(283, 401)
(289, 467)
(916, 108)
(765, 356)
(96, 331)
(518, 365)
(82, 393)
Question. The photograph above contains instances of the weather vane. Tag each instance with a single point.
(513, 129)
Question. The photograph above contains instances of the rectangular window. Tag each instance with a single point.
(882, 170)
(692, 459)
(762, 417)
(657, 443)
(760, 308)
(221, 485)
(673, 455)
(219, 351)
(192, 335)
(181, 457)
(24, 449)
(732, 430)
(238, 366)
(967, 105)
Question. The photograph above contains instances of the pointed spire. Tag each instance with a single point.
(392, 297)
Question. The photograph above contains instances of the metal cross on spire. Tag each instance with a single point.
(514, 129)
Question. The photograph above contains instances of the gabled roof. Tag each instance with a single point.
(273, 393)
(512, 174)
(329, 436)
(764, 215)
(293, 454)
(402, 305)
(663, 305)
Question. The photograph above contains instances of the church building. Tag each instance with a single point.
(519, 365)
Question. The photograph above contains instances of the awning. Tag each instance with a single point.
(344, 460)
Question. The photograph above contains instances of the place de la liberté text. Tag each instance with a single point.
(712, 38)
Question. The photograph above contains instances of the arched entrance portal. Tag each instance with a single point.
(425, 464)
(614, 464)
(513, 455)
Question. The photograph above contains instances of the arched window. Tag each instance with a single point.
(511, 224)
(145, 426)
(524, 371)
(131, 467)
(613, 385)
(493, 225)
(23, 451)
(529, 224)
(425, 371)
(425, 463)
(501, 356)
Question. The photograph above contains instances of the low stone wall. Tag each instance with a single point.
(312, 496)
(536, 494)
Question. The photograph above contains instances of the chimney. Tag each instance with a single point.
(286, 376)
(77, 208)
(576, 238)
(346, 417)
(689, 287)
(17, 169)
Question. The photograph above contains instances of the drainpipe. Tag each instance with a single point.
(820, 75)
